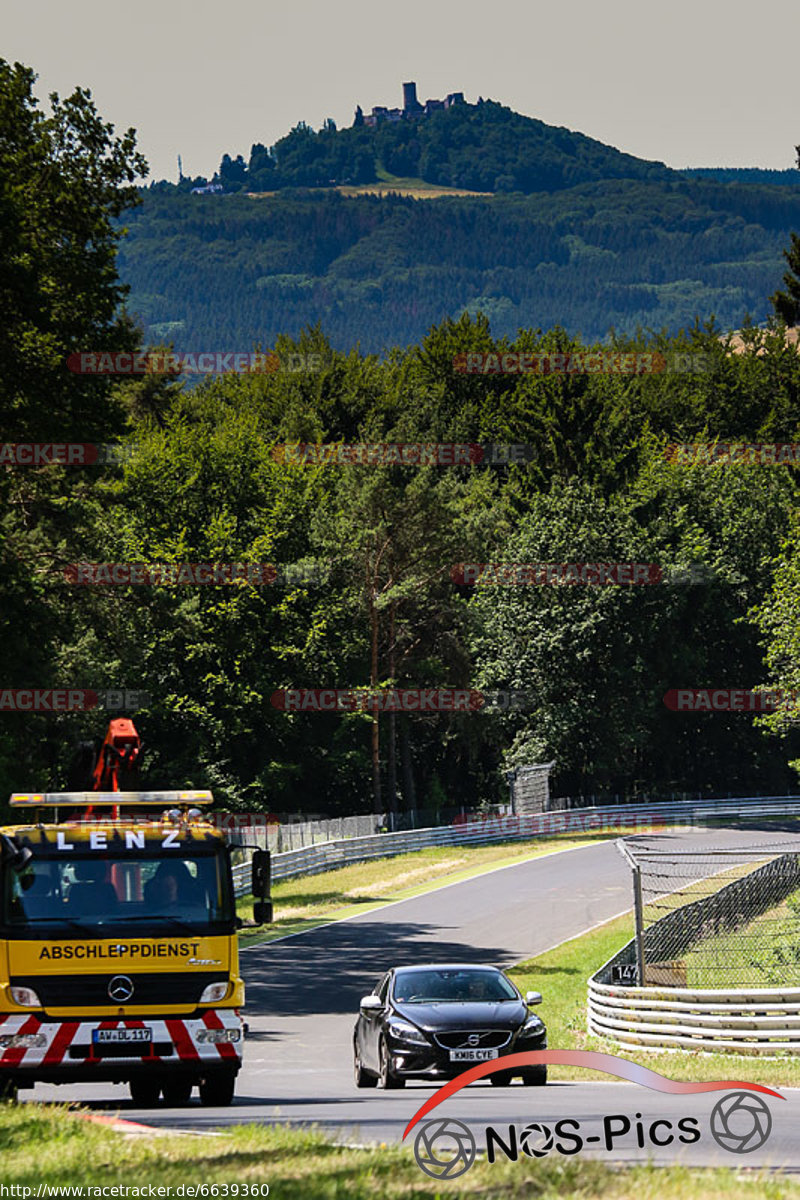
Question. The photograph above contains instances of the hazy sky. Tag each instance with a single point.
(689, 82)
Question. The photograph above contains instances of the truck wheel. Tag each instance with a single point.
(218, 1088)
(177, 1092)
(144, 1091)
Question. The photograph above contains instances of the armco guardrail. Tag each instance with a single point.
(326, 856)
(751, 1020)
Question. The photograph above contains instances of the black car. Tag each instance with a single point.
(435, 1020)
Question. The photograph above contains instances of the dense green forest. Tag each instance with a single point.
(203, 483)
(788, 178)
(228, 272)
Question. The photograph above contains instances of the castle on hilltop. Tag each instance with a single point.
(411, 107)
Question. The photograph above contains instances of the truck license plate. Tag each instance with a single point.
(103, 1036)
(473, 1055)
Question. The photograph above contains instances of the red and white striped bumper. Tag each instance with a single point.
(28, 1045)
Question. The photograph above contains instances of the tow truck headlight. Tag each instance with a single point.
(25, 997)
(9, 1040)
(218, 1035)
(214, 992)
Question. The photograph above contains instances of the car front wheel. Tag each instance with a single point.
(534, 1076)
(362, 1077)
(387, 1078)
(501, 1078)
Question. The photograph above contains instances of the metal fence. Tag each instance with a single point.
(728, 917)
(717, 917)
(280, 836)
(326, 856)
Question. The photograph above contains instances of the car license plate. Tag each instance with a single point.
(473, 1055)
(104, 1036)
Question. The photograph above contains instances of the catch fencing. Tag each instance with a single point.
(717, 916)
(715, 961)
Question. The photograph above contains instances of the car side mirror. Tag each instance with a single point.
(371, 1003)
(533, 997)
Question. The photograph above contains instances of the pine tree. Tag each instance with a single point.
(787, 304)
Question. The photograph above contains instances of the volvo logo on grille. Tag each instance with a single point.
(120, 988)
(474, 1039)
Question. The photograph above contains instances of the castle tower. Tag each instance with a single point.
(410, 101)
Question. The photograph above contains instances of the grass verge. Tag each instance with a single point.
(48, 1145)
(311, 900)
(768, 949)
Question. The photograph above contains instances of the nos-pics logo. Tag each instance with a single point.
(444, 1148)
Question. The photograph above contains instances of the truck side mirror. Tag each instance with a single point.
(261, 874)
(14, 855)
(261, 884)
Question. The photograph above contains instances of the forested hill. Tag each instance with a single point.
(483, 147)
(226, 271)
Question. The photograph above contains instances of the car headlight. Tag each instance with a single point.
(404, 1031)
(532, 1027)
(25, 997)
(214, 992)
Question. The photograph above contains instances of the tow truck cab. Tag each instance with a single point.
(118, 950)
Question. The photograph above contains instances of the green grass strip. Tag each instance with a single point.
(48, 1146)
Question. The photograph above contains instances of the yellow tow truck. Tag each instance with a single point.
(118, 945)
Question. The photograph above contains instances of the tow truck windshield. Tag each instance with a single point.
(84, 891)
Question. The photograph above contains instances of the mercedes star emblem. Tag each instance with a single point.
(120, 989)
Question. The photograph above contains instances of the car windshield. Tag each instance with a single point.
(432, 986)
(90, 889)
